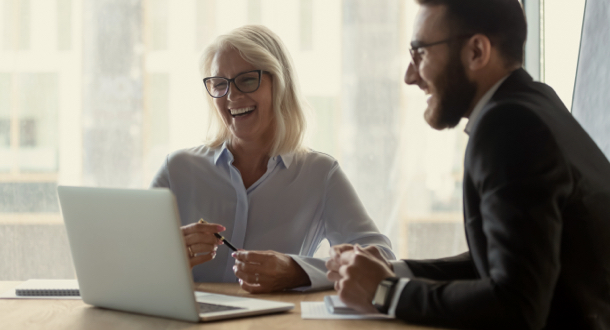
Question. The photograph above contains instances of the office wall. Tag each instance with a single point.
(591, 102)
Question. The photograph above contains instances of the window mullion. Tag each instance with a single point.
(534, 45)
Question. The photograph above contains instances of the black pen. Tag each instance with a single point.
(227, 243)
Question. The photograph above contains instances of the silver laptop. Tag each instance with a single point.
(129, 255)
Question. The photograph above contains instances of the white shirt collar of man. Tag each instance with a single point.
(482, 103)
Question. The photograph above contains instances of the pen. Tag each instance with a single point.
(227, 243)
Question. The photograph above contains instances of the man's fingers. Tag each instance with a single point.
(343, 270)
(332, 264)
(337, 250)
(347, 257)
(209, 228)
(333, 276)
(374, 251)
(353, 296)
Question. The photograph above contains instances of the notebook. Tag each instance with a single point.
(47, 288)
(129, 255)
(43, 289)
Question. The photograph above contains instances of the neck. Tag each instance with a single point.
(250, 155)
(486, 80)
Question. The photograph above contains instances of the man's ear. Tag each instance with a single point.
(478, 52)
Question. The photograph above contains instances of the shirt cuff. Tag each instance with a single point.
(316, 270)
(401, 269)
(397, 292)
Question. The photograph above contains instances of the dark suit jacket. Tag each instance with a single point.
(537, 217)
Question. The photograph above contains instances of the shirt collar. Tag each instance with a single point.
(286, 158)
(482, 103)
(221, 151)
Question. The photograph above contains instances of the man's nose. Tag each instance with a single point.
(412, 75)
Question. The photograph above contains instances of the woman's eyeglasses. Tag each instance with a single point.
(246, 82)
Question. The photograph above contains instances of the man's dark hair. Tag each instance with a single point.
(502, 21)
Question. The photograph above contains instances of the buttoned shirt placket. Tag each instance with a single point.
(241, 212)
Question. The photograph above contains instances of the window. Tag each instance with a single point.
(17, 24)
(306, 24)
(560, 42)
(254, 11)
(119, 88)
(156, 18)
(64, 24)
(205, 23)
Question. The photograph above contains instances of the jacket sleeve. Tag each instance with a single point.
(521, 181)
(444, 269)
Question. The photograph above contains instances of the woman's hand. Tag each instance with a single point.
(201, 244)
(267, 271)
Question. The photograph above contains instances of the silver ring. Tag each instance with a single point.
(191, 254)
(256, 278)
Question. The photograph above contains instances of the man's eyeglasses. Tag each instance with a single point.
(246, 82)
(415, 46)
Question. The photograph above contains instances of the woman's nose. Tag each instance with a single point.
(233, 93)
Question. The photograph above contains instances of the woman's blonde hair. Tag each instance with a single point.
(262, 48)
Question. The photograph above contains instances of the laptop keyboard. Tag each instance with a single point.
(211, 308)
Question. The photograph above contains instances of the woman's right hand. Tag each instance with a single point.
(201, 244)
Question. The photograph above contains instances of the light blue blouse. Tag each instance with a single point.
(299, 201)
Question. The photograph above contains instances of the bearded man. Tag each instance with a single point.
(536, 190)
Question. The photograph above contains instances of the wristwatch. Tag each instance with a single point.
(383, 295)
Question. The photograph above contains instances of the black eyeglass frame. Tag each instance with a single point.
(415, 46)
(260, 78)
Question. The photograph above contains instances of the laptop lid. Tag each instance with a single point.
(128, 250)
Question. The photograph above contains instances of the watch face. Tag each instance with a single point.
(380, 294)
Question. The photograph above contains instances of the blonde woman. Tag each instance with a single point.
(254, 182)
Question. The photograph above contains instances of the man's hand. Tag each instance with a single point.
(357, 272)
(268, 271)
(334, 262)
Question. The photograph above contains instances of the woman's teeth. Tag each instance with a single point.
(241, 111)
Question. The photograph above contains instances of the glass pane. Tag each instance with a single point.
(38, 118)
(157, 120)
(561, 42)
(157, 17)
(254, 12)
(64, 24)
(6, 159)
(16, 24)
(205, 23)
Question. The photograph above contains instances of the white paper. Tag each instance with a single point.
(316, 310)
(42, 284)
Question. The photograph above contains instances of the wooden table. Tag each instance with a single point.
(26, 314)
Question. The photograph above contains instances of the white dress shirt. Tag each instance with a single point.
(300, 200)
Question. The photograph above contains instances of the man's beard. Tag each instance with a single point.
(454, 95)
